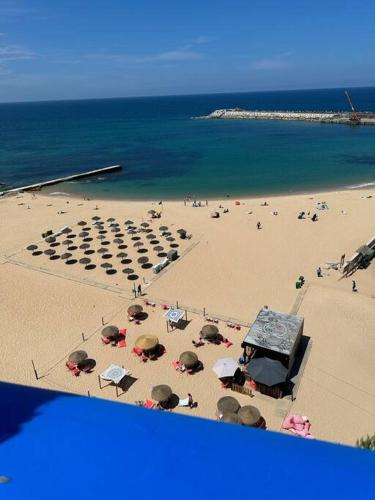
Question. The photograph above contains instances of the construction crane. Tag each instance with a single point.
(354, 118)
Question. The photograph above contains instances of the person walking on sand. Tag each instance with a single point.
(319, 272)
(354, 286)
(259, 225)
(342, 260)
(139, 290)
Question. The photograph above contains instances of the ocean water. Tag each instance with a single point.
(166, 154)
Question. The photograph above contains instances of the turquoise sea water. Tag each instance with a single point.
(166, 154)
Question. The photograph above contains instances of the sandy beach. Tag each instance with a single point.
(228, 269)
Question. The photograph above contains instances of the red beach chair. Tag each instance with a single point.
(148, 404)
(105, 340)
(121, 343)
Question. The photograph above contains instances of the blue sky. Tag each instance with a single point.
(67, 49)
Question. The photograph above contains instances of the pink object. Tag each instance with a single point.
(228, 344)
(137, 350)
(105, 340)
(121, 343)
(71, 366)
(176, 365)
(122, 331)
(148, 404)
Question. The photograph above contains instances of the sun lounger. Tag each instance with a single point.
(228, 344)
(105, 340)
(122, 331)
(121, 343)
(183, 402)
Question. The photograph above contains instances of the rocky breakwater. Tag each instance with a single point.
(310, 116)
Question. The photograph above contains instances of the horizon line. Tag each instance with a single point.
(183, 95)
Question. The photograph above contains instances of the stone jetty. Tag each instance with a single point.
(309, 116)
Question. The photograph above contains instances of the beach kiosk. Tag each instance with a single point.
(269, 350)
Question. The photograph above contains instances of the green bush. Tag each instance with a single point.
(367, 442)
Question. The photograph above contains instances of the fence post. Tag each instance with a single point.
(35, 372)
(83, 337)
(204, 311)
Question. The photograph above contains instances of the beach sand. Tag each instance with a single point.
(229, 269)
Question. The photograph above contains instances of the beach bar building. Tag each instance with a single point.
(269, 350)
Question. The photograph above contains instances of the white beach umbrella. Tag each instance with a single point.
(225, 367)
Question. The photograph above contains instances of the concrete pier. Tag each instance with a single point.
(82, 175)
(367, 118)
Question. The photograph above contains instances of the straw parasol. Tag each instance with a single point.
(66, 255)
(135, 309)
(189, 359)
(151, 212)
(231, 418)
(163, 228)
(228, 404)
(111, 219)
(181, 231)
(84, 246)
(102, 250)
(82, 223)
(158, 248)
(77, 356)
(121, 255)
(161, 393)
(150, 236)
(138, 244)
(145, 224)
(83, 234)
(110, 331)
(129, 223)
(67, 242)
(49, 251)
(96, 217)
(84, 260)
(209, 331)
(142, 260)
(118, 241)
(249, 415)
(50, 239)
(106, 265)
(32, 247)
(147, 342)
(128, 270)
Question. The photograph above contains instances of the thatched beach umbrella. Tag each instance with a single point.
(110, 331)
(135, 309)
(128, 270)
(129, 223)
(189, 359)
(231, 418)
(114, 230)
(49, 251)
(161, 393)
(151, 212)
(82, 223)
(96, 217)
(83, 234)
(84, 246)
(145, 224)
(228, 404)
(106, 265)
(138, 244)
(67, 242)
(142, 260)
(150, 236)
(77, 356)
(84, 260)
(249, 415)
(32, 247)
(121, 255)
(147, 342)
(209, 331)
(102, 250)
(118, 241)
(119, 235)
(66, 255)
(170, 238)
(163, 228)
(158, 248)
(111, 219)
(181, 231)
(50, 239)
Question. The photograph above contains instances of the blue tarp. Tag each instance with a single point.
(60, 446)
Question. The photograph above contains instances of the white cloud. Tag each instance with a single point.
(178, 55)
(202, 39)
(14, 53)
(279, 61)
